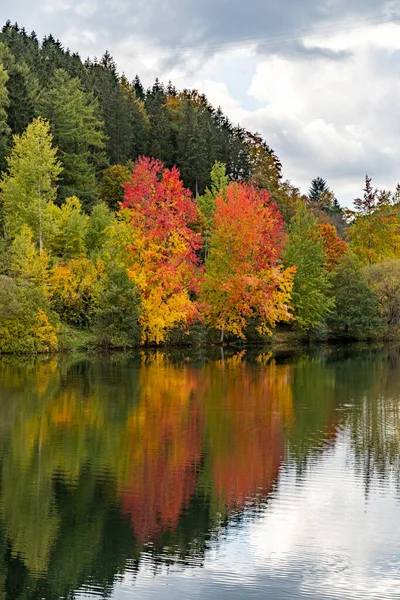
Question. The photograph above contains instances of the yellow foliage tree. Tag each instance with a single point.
(72, 288)
(162, 248)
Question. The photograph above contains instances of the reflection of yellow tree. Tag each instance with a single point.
(27, 504)
(28, 509)
(164, 443)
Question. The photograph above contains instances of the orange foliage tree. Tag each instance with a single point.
(334, 247)
(244, 277)
(163, 251)
(246, 415)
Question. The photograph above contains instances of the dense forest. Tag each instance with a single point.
(132, 216)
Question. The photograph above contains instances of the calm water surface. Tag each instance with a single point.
(199, 476)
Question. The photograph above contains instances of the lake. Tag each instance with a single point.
(176, 475)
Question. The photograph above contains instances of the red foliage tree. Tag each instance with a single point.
(164, 264)
(244, 277)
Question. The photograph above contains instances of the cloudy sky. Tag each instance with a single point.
(318, 78)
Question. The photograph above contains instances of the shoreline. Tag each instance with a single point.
(82, 343)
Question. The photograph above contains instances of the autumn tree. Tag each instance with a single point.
(369, 202)
(311, 298)
(244, 278)
(163, 248)
(26, 324)
(334, 246)
(71, 289)
(29, 185)
(374, 230)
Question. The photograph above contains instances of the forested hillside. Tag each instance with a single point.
(145, 216)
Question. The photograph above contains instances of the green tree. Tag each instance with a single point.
(322, 197)
(219, 181)
(70, 227)
(125, 119)
(239, 162)
(160, 135)
(26, 265)
(195, 147)
(100, 219)
(311, 297)
(23, 90)
(29, 185)
(78, 132)
(356, 311)
(111, 187)
(4, 104)
(9, 305)
(27, 324)
(318, 187)
(384, 279)
(117, 309)
(138, 123)
(206, 202)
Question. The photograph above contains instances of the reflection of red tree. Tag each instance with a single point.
(247, 438)
(237, 408)
(251, 468)
(166, 433)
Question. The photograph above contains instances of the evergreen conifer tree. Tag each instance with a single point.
(78, 134)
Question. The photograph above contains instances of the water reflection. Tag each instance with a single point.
(253, 475)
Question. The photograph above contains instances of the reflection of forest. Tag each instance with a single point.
(103, 459)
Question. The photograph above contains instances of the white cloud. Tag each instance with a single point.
(218, 95)
(327, 114)
(343, 545)
(386, 36)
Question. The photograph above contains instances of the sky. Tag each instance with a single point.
(319, 79)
